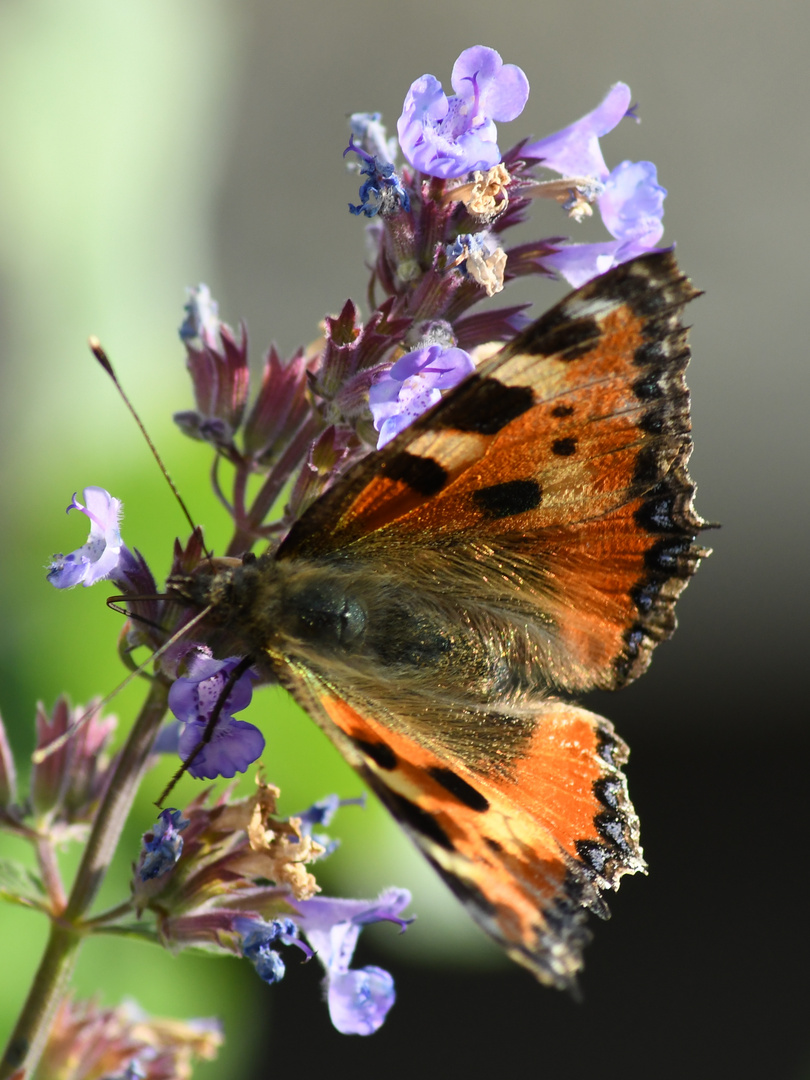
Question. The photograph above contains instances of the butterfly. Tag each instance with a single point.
(432, 611)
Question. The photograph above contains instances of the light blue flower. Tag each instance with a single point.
(449, 137)
(359, 998)
(629, 197)
(632, 206)
(99, 558)
(413, 385)
(575, 151)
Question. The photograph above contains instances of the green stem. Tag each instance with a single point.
(51, 981)
(47, 991)
(99, 922)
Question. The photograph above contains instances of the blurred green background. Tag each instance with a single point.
(147, 146)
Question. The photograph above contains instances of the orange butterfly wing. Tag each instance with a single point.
(526, 850)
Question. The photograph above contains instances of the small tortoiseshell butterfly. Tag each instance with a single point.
(524, 539)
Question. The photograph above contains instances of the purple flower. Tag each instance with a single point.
(632, 206)
(359, 999)
(449, 137)
(99, 558)
(162, 846)
(234, 743)
(413, 385)
(258, 937)
(629, 197)
(575, 150)
(321, 813)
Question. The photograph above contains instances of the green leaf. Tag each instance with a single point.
(19, 885)
(143, 929)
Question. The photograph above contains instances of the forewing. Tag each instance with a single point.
(560, 467)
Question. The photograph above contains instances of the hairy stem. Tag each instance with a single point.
(51, 981)
(51, 879)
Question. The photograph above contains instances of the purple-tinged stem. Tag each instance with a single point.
(51, 878)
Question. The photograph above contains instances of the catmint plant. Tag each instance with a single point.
(229, 874)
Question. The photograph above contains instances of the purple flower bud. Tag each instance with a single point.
(162, 847)
(219, 372)
(413, 385)
(69, 780)
(257, 938)
(449, 137)
(281, 407)
(321, 813)
(100, 556)
(382, 193)
(234, 743)
(575, 150)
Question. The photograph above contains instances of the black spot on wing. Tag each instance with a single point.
(567, 340)
(645, 593)
(611, 827)
(654, 421)
(469, 894)
(650, 466)
(672, 558)
(418, 819)
(507, 499)
(482, 405)
(660, 511)
(651, 354)
(608, 791)
(379, 752)
(595, 855)
(458, 787)
(423, 474)
(562, 410)
(648, 388)
(564, 447)
(610, 748)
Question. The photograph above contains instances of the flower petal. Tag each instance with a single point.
(99, 557)
(632, 203)
(359, 1000)
(413, 385)
(449, 137)
(575, 150)
(234, 746)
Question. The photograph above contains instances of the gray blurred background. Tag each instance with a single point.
(149, 146)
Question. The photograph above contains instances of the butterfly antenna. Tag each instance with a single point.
(97, 350)
(210, 727)
(44, 752)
